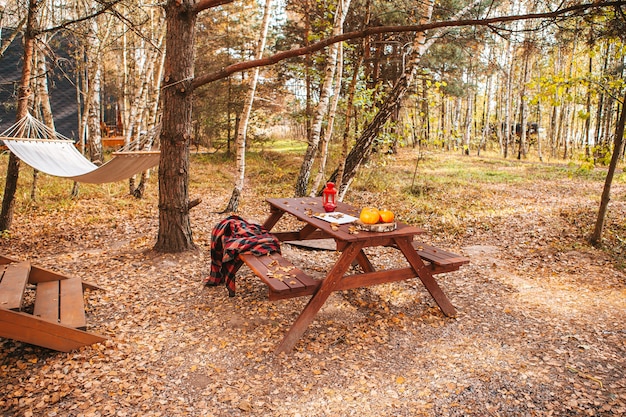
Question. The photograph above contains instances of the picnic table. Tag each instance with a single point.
(351, 246)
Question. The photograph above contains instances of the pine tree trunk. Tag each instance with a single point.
(174, 233)
(469, 117)
(486, 129)
(363, 147)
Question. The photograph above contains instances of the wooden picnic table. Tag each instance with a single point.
(351, 246)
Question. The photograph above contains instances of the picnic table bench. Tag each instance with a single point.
(285, 280)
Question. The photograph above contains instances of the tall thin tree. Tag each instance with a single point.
(244, 120)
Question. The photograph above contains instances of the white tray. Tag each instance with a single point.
(336, 217)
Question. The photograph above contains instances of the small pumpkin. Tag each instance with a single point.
(386, 216)
(369, 215)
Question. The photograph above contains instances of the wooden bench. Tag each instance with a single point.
(439, 260)
(283, 279)
(58, 318)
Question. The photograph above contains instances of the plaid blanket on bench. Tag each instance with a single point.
(231, 237)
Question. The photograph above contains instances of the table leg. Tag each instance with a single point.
(273, 218)
(364, 262)
(426, 277)
(319, 298)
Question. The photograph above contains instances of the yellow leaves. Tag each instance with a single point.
(279, 272)
(400, 380)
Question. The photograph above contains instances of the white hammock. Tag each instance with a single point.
(52, 153)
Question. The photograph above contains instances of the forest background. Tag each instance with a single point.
(524, 78)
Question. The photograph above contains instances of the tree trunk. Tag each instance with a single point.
(94, 80)
(322, 107)
(331, 122)
(538, 118)
(596, 237)
(242, 131)
(174, 233)
(507, 106)
(24, 93)
(363, 146)
(521, 153)
(587, 136)
(469, 117)
(42, 103)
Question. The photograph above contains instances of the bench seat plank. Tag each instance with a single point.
(284, 280)
(61, 302)
(72, 305)
(439, 257)
(13, 280)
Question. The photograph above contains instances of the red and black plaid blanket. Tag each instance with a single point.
(231, 237)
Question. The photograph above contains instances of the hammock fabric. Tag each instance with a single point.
(59, 157)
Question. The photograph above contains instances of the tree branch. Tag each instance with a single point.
(280, 56)
(105, 7)
(208, 4)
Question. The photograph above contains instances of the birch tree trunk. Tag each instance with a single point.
(523, 108)
(508, 98)
(322, 106)
(42, 104)
(151, 116)
(486, 128)
(93, 48)
(363, 146)
(242, 131)
(331, 121)
(24, 95)
(469, 118)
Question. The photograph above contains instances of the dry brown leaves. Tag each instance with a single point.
(540, 330)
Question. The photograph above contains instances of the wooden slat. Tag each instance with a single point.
(13, 280)
(72, 308)
(283, 279)
(47, 301)
(61, 302)
(438, 256)
(36, 331)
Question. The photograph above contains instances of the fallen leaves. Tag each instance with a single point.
(540, 328)
(279, 272)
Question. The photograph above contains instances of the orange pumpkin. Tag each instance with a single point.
(369, 215)
(386, 216)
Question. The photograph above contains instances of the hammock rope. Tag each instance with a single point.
(52, 153)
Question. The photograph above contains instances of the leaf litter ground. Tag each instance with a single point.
(540, 329)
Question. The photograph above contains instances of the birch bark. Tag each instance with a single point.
(322, 106)
(242, 131)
